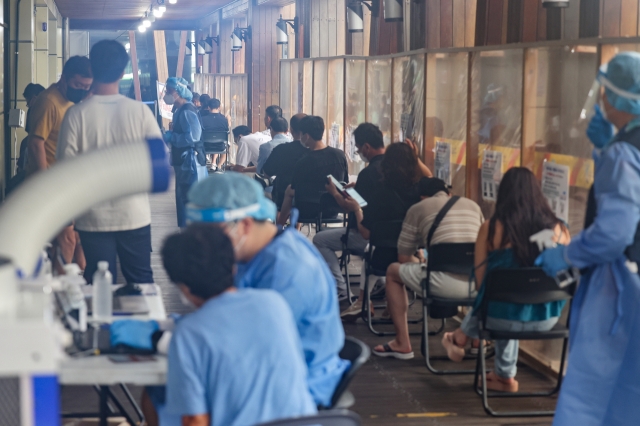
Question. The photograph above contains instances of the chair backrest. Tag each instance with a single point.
(456, 258)
(358, 353)
(523, 286)
(209, 136)
(323, 418)
(385, 234)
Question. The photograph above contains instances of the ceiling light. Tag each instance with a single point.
(173, 1)
(236, 43)
(187, 51)
(151, 18)
(157, 13)
(142, 28)
(162, 8)
(127, 46)
(392, 10)
(355, 17)
(146, 22)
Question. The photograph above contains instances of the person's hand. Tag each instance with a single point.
(350, 204)
(331, 188)
(420, 256)
(133, 333)
(599, 131)
(413, 146)
(552, 261)
(350, 185)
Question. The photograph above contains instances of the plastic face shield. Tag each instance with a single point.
(594, 95)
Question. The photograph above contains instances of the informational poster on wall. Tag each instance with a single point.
(555, 187)
(334, 135)
(443, 161)
(491, 174)
(350, 144)
(406, 126)
(163, 108)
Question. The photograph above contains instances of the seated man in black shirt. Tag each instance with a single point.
(370, 146)
(204, 104)
(310, 172)
(215, 122)
(283, 159)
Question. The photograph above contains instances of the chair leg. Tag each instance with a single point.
(485, 395)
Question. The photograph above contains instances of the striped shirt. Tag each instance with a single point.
(460, 225)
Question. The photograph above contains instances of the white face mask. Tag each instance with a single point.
(232, 231)
(169, 98)
(363, 158)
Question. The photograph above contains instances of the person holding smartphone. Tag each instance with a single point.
(370, 146)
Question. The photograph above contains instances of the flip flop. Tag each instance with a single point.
(454, 352)
(390, 353)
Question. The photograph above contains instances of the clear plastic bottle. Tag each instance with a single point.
(102, 293)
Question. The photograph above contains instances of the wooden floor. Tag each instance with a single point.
(387, 391)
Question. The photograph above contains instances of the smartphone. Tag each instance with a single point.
(354, 194)
(336, 183)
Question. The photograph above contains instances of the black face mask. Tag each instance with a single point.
(76, 95)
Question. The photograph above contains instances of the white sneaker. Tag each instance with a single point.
(353, 312)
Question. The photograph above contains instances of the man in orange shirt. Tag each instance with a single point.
(45, 118)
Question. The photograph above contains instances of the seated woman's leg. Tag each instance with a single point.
(397, 304)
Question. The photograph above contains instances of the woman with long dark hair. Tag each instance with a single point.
(503, 242)
(401, 171)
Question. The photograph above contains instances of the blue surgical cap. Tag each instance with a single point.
(228, 197)
(180, 85)
(621, 82)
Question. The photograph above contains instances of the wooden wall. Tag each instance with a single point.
(386, 37)
(328, 32)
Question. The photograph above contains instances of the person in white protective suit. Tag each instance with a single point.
(602, 384)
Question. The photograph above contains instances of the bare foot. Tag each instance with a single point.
(501, 384)
(454, 352)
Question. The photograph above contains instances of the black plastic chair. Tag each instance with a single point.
(455, 258)
(323, 418)
(383, 235)
(345, 258)
(358, 353)
(216, 143)
(324, 211)
(521, 286)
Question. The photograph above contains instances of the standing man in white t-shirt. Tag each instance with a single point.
(248, 149)
(120, 228)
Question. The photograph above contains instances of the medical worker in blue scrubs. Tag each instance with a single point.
(285, 261)
(602, 384)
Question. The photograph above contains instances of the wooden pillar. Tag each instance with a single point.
(181, 51)
(162, 66)
(248, 65)
(134, 65)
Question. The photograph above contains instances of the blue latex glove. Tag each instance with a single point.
(136, 334)
(600, 131)
(553, 261)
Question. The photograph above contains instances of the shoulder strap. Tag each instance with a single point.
(441, 214)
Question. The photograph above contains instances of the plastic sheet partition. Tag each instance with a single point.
(446, 118)
(320, 92)
(334, 119)
(356, 108)
(379, 95)
(557, 80)
(408, 99)
(496, 122)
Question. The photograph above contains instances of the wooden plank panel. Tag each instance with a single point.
(341, 27)
(494, 22)
(629, 18)
(332, 28)
(433, 24)
(315, 28)
(530, 20)
(324, 28)
(446, 23)
(514, 21)
(272, 62)
(459, 22)
(181, 51)
(571, 24)
(263, 49)
(612, 10)
(480, 37)
(470, 22)
(542, 22)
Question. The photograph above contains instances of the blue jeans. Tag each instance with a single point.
(133, 248)
(506, 350)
